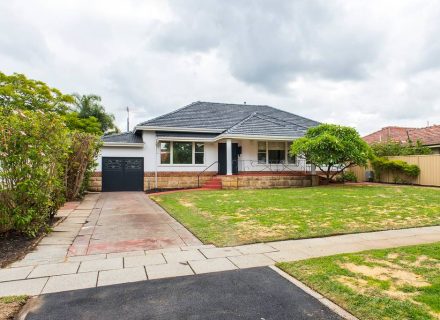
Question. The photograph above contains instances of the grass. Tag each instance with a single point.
(11, 305)
(399, 283)
(246, 216)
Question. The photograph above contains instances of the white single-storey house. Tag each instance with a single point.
(206, 144)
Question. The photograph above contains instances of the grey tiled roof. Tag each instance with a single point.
(260, 124)
(126, 137)
(234, 119)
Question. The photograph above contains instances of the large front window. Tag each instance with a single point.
(274, 152)
(277, 152)
(182, 152)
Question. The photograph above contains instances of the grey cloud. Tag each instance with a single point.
(19, 39)
(269, 43)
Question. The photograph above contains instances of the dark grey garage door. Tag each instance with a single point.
(122, 174)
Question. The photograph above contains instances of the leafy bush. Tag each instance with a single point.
(347, 176)
(396, 166)
(81, 161)
(33, 151)
(42, 161)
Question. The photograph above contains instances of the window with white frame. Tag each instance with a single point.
(262, 152)
(199, 153)
(165, 152)
(291, 159)
(174, 152)
(274, 152)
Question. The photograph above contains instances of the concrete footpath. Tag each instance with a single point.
(86, 251)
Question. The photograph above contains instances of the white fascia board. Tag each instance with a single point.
(252, 137)
(185, 139)
(121, 144)
(178, 129)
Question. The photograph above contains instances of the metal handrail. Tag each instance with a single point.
(201, 172)
(272, 167)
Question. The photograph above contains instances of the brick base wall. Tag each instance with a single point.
(185, 180)
(261, 182)
(165, 180)
(175, 180)
(95, 183)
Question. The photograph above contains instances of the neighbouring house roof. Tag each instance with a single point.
(429, 136)
(233, 119)
(123, 138)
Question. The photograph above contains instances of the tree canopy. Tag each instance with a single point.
(332, 148)
(19, 92)
(90, 106)
(394, 148)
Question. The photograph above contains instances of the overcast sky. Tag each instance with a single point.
(366, 64)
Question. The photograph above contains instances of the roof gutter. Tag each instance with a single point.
(254, 137)
(123, 144)
(178, 129)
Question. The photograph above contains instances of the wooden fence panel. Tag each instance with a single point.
(429, 170)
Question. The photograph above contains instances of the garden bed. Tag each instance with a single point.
(14, 245)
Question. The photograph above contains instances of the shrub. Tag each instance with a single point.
(80, 163)
(347, 176)
(33, 151)
(397, 167)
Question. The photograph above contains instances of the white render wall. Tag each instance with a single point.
(151, 153)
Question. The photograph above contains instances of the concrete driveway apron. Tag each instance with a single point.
(129, 221)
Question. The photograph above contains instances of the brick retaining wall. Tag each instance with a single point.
(261, 182)
(185, 180)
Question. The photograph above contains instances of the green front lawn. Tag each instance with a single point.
(400, 283)
(245, 216)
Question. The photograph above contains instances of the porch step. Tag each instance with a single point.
(214, 183)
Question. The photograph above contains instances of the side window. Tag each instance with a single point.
(290, 159)
(165, 152)
(262, 156)
(199, 153)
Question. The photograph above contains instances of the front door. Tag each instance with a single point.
(222, 166)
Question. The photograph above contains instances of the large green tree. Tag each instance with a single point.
(41, 161)
(19, 92)
(332, 148)
(90, 106)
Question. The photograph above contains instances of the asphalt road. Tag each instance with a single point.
(258, 293)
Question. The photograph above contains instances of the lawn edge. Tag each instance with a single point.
(325, 301)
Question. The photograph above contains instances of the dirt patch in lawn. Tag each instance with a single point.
(10, 306)
(392, 271)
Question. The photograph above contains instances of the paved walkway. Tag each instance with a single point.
(82, 252)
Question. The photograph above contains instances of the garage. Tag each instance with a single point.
(122, 174)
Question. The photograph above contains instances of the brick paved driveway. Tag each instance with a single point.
(129, 221)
